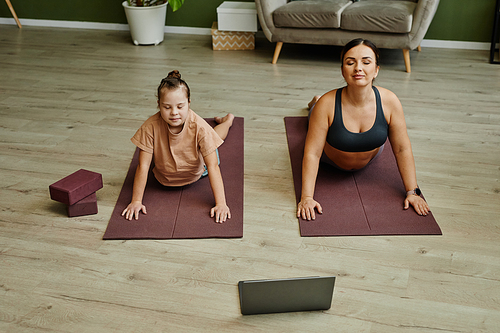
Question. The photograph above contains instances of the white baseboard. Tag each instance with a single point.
(66, 24)
(451, 44)
(100, 26)
(446, 44)
(188, 30)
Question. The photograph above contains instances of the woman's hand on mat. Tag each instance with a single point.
(133, 210)
(221, 213)
(418, 203)
(305, 209)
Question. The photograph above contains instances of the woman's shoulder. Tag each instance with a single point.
(327, 98)
(322, 113)
(332, 93)
(390, 104)
(386, 94)
(389, 98)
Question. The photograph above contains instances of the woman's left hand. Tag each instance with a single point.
(221, 213)
(418, 203)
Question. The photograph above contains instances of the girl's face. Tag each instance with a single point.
(359, 66)
(174, 107)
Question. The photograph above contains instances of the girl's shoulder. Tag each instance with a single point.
(154, 118)
(197, 123)
(194, 119)
(152, 121)
(193, 116)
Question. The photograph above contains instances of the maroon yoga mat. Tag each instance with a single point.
(184, 212)
(365, 202)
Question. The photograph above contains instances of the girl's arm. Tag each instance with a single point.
(401, 147)
(140, 179)
(315, 142)
(221, 211)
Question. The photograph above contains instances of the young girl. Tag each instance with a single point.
(183, 145)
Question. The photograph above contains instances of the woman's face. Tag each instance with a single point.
(174, 107)
(359, 66)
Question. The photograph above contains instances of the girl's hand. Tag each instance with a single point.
(305, 209)
(418, 203)
(221, 213)
(133, 210)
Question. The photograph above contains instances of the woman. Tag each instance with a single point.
(348, 128)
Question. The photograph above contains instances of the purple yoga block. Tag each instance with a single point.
(86, 206)
(76, 186)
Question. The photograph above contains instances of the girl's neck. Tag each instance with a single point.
(175, 130)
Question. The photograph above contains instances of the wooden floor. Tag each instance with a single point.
(71, 99)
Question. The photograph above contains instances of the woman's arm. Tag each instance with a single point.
(221, 211)
(140, 180)
(315, 142)
(401, 147)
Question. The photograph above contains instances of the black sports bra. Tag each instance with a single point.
(341, 138)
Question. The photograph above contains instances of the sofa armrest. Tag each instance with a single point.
(422, 18)
(265, 9)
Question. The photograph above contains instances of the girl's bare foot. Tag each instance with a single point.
(229, 117)
(313, 101)
(223, 125)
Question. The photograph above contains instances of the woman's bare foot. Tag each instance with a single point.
(313, 101)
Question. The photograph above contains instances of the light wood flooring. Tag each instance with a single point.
(71, 99)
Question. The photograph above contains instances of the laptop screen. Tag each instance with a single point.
(286, 295)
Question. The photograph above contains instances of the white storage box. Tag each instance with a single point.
(237, 16)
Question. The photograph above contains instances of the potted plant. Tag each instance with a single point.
(146, 19)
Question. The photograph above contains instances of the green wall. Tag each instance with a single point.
(463, 20)
(459, 20)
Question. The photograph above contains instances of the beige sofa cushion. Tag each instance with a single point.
(373, 0)
(310, 14)
(379, 16)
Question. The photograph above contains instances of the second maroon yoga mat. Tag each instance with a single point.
(184, 212)
(365, 202)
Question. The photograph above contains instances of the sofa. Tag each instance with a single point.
(392, 24)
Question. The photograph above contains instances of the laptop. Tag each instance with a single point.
(286, 295)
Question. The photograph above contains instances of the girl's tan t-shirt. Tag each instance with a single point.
(178, 158)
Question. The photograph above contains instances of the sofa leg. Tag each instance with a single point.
(277, 51)
(13, 13)
(406, 55)
(419, 48)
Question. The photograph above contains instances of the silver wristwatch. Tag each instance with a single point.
(415, 191)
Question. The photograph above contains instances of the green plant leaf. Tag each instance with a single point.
(176, 4)
(145, 3)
